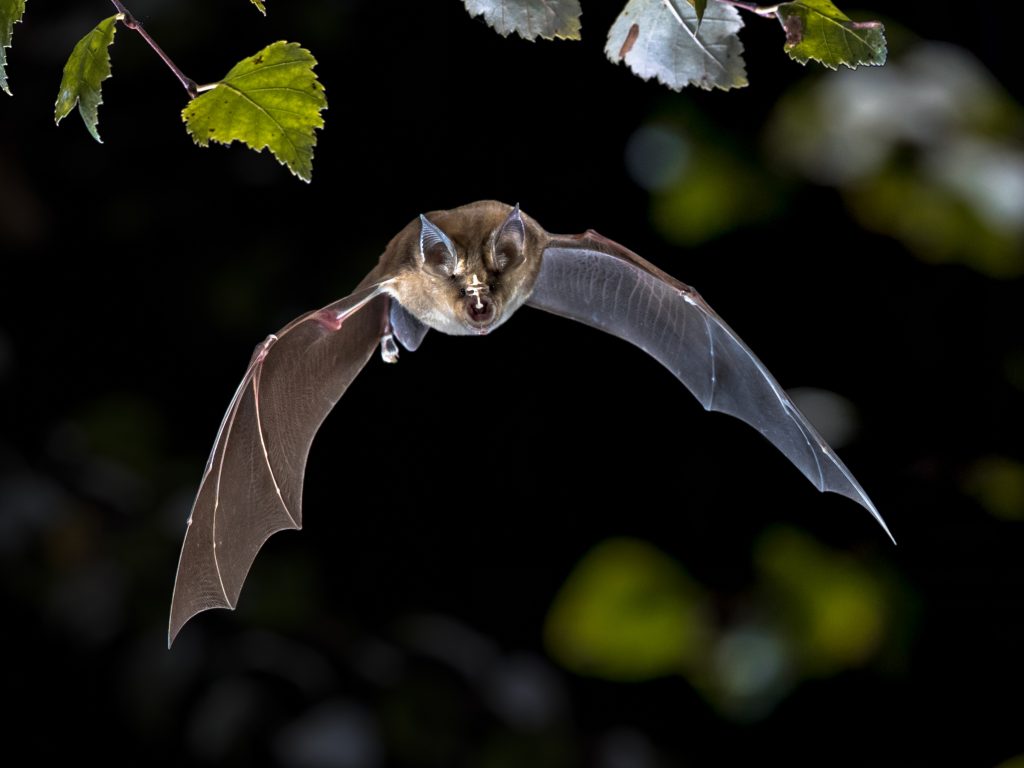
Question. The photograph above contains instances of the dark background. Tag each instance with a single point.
(450, 497)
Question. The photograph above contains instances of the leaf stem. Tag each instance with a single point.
(766, 11)
(131, 22)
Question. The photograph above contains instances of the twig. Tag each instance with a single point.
(760, 10)
(131, 22)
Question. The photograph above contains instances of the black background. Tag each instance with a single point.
(466, 481)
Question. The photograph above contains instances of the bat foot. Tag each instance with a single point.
(388, 348)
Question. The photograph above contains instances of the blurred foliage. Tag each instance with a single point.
(628, 611)
(997, 482)
(835, 608)
(701, 184)
(927, 150)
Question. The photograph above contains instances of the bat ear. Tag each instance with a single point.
(436, 251)
(509, 241)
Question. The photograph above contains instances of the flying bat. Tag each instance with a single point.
(462, 272)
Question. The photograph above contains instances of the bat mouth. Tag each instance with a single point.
(480, 311)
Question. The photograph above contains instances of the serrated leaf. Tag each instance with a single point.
(662, 39)
(11, 12)
(271, 100)
(85, 70)
(530, 19)
(816, 29)
(260, 7)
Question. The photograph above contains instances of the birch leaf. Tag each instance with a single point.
(663, 39)
(86, 69)
(271, 100)
(11, 12)
(816, 29)
(530, 19)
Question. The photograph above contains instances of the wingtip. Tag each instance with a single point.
(180, 618)
(870, 507)
(886, 529)
(173, 629)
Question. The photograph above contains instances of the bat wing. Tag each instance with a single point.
(252, 486)
(598, 282)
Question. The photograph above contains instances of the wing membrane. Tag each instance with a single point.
(252, 486)
(598, 282)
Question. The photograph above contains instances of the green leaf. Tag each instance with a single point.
(816, 29)
(837, 607)
(530, 19)
(663, 39)
(86, 68)
(272, 100)
(699, 6)
(260, 7)
(628, 611)
(11, 12)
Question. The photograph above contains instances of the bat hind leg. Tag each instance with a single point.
(388, 345)
(388, 348)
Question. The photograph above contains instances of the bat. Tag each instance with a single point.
(461, 272)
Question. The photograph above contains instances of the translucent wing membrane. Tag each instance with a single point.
(252, 486)
(598, 282)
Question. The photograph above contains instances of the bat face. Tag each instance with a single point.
(465, 271)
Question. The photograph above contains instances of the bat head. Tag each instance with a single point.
(467, 270)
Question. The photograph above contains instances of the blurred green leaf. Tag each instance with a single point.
(998, 484)
(628, 612)
(835, 606)
(125, 428)
(926, 150)
(816, 29)
(667, 41)
(936, 223)
(699, 6)
(271, 100)
(11, 12)
(86, 69)
(702, 183)
(716, 194)
(260, 7)
(530, 19)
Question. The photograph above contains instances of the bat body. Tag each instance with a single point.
(462, 272)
